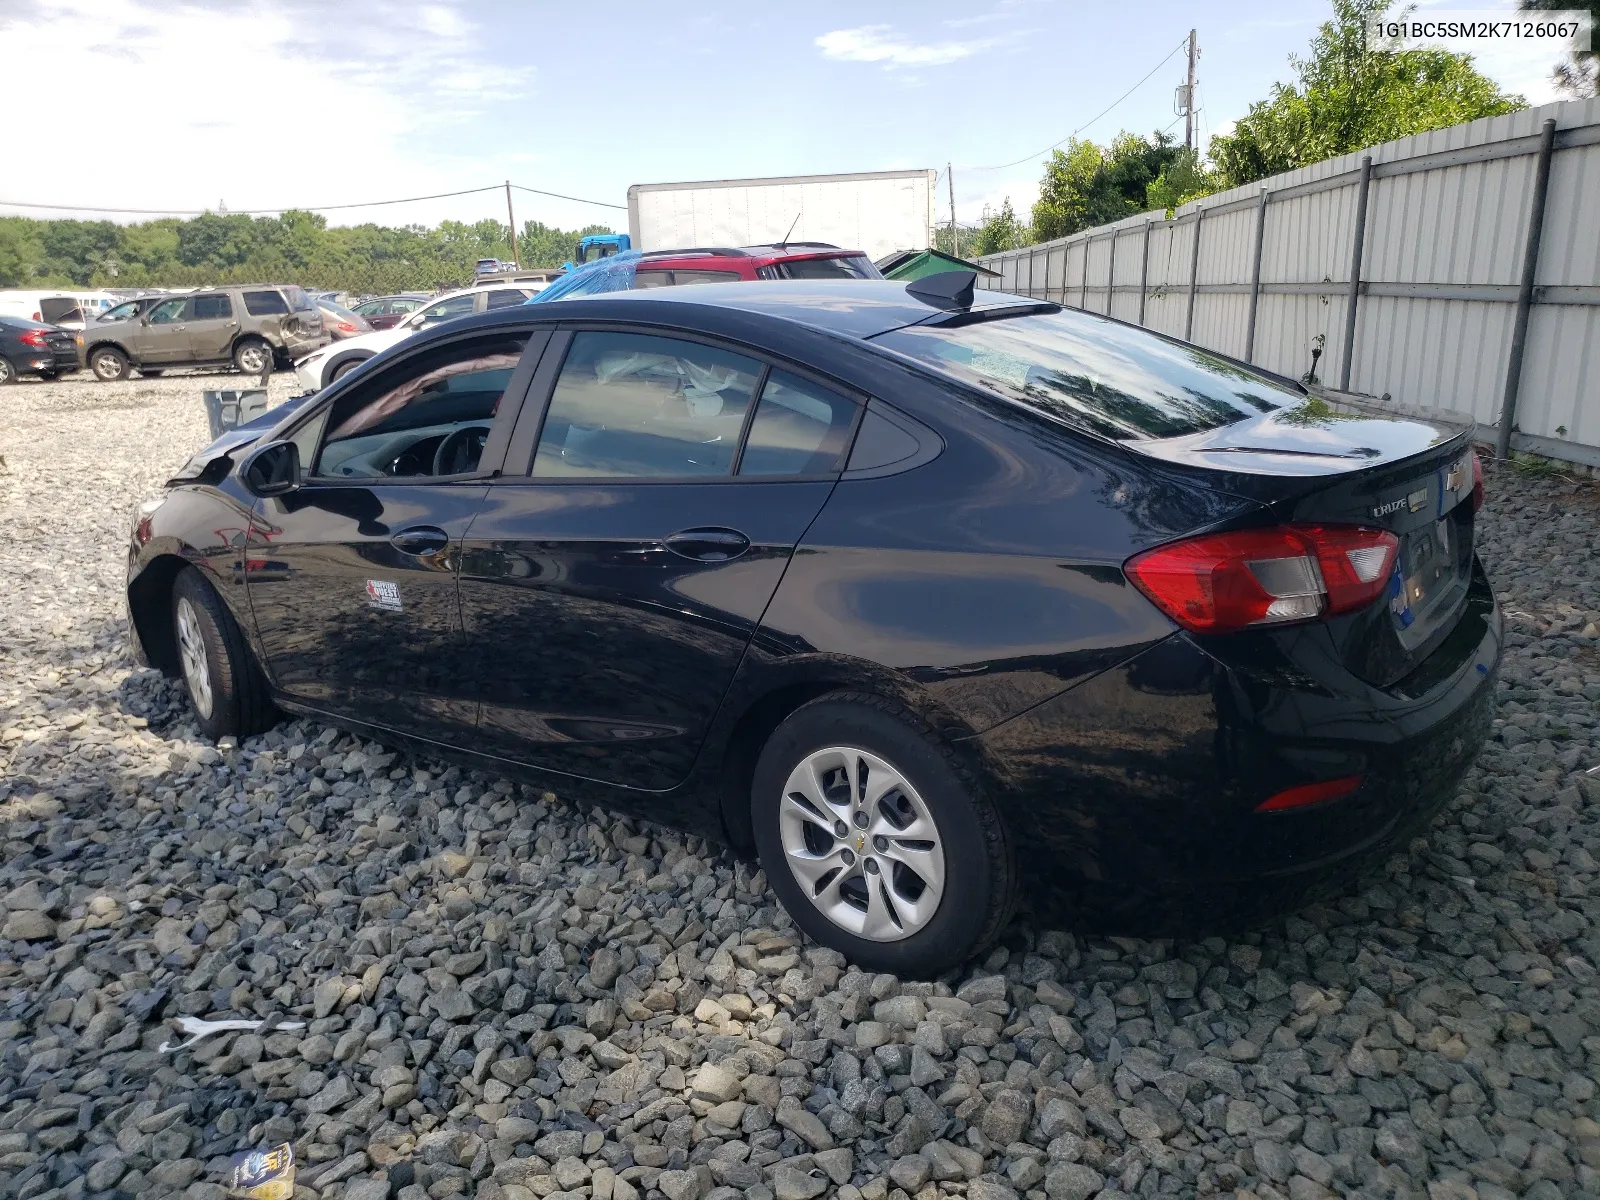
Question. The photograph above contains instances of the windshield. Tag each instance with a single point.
(1096, 375)
(121, 312)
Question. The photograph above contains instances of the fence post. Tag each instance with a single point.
(1356, 252)
(1111, 272)
(1083, 278)
(1530, 264)
(1144, 270)
(1194, 276)
(1255, 278)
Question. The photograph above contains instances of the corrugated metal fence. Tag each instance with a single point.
(1405, 264)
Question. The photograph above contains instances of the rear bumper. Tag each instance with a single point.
(1135, 793)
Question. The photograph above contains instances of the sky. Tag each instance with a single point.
(156, 104)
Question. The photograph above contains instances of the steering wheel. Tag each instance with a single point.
(464, 444)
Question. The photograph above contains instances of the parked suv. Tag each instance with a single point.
(725, 264)
(250, 327)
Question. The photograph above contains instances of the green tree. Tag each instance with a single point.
(1183, 179)
(999, 231)
(1348, 97)
(1086, 185)
(1580, 74)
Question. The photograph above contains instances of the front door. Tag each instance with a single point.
(608, 596)
(164, 336)
(211, 327)
(352, 577)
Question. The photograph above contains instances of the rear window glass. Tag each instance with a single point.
(299, 300)
(264, 304)
(212, 308)
(848, 266)
(1096, 375)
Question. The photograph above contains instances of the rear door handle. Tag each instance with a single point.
(420, 539)
(713, 544)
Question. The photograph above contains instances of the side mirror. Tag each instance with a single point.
(271, 470)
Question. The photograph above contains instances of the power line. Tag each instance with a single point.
(256, 212)
(1092, 120)
(579, 199)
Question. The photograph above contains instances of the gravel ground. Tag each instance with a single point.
(505, 996)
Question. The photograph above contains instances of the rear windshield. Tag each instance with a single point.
(298, 299)
(845, 266)
(1096, 375)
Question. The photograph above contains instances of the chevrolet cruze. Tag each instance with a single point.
(927, 596)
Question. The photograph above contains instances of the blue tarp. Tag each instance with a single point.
(613, 274)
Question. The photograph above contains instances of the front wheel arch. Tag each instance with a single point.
(150, 610)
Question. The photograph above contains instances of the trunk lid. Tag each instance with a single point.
(1336, 464)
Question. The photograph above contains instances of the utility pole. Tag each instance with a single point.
(511, 220)
(955, 236)
(1188, 96)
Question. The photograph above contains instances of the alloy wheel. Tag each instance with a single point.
(192, 651)
(5, 371)
(861, 844)
(108, 366)
(253, 359)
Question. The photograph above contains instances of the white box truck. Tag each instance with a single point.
(874, 211)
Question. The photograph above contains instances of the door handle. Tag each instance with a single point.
(714, 544)
(420, 539)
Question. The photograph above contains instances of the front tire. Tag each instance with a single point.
(877, 839)
(345, 368)
(226, 686)
(252, 357)
(109, 364)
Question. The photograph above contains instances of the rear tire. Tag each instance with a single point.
(226, 686)
(8, 373)
(916, 827)
(109, 364)
(252, 357)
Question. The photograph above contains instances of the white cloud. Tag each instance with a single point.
(283, 102)
(877, 44)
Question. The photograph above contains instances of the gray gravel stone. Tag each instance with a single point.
(484, 970)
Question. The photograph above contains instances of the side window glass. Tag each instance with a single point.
(635, 406)
(682, 277)
(505, 297)
(458, 306)
(168, 311)
(265, 304)
(650, 279)
(430, 416)
(799, 429)
(308, 435)
(212, 308)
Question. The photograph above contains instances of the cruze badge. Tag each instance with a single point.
(384, 594)
(1413, 502)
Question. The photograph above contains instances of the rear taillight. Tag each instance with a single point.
(346, 327)
(1310, 793)
(1223, 582)
(1477, 481)
(33, 337)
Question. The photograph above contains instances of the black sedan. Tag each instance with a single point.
(32, 348)
(925, 596)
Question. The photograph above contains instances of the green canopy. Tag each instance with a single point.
(914, 264)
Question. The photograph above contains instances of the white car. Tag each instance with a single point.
(316, 371)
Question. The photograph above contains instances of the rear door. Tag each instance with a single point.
(609, 593)
(352, 576)
(211, 327)
(164, 337)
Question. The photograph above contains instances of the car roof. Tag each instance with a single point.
(856, 308)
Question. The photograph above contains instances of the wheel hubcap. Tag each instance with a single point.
(192, 650)
(861, 844)
(252, 360)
